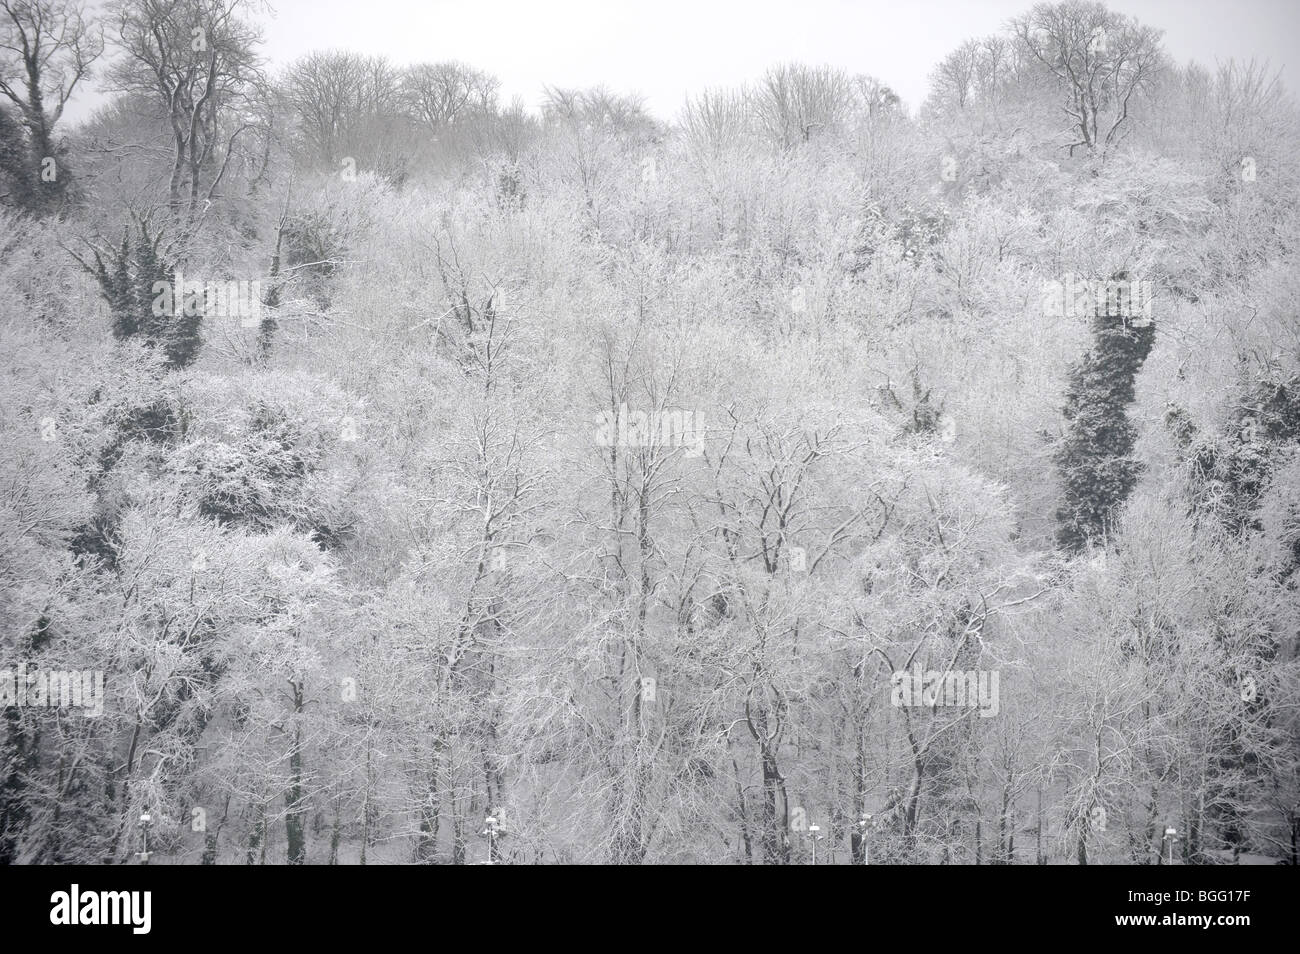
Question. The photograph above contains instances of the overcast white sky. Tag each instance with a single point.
(665, 49)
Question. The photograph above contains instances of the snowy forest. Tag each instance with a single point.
(392, 472)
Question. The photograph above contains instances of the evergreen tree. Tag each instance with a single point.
(1232, 469)
(128, 283)
(1094, 458)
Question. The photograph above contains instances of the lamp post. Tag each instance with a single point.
(864, 823)
(493, 831)
(144, 852)
(1171, 836)
(814, 835)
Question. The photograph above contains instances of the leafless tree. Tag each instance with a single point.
(797, 102)
(47, 47)
(1102, 62)
(333, 95)
(952, 81)
(200, 59)
(718, 118)
(439, 94)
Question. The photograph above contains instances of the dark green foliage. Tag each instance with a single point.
(26, 182)
(93, 540)
(1094, 458)
(250, 482)
(13, 168)
(116, 289)
(926, 414)
(313, 245)
(1230, 473)
(1231, 470)
(136, 281)
(919, 229)
(510, 189)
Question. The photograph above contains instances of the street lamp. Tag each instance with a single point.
(865, 824)
(144, 852)
(814, 835)
(494, 830)
(1171, 836)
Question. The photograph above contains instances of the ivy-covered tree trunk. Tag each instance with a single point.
(34, 164)
(294, 809)
(1094, 459)
(137, 280)
(48, 176)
